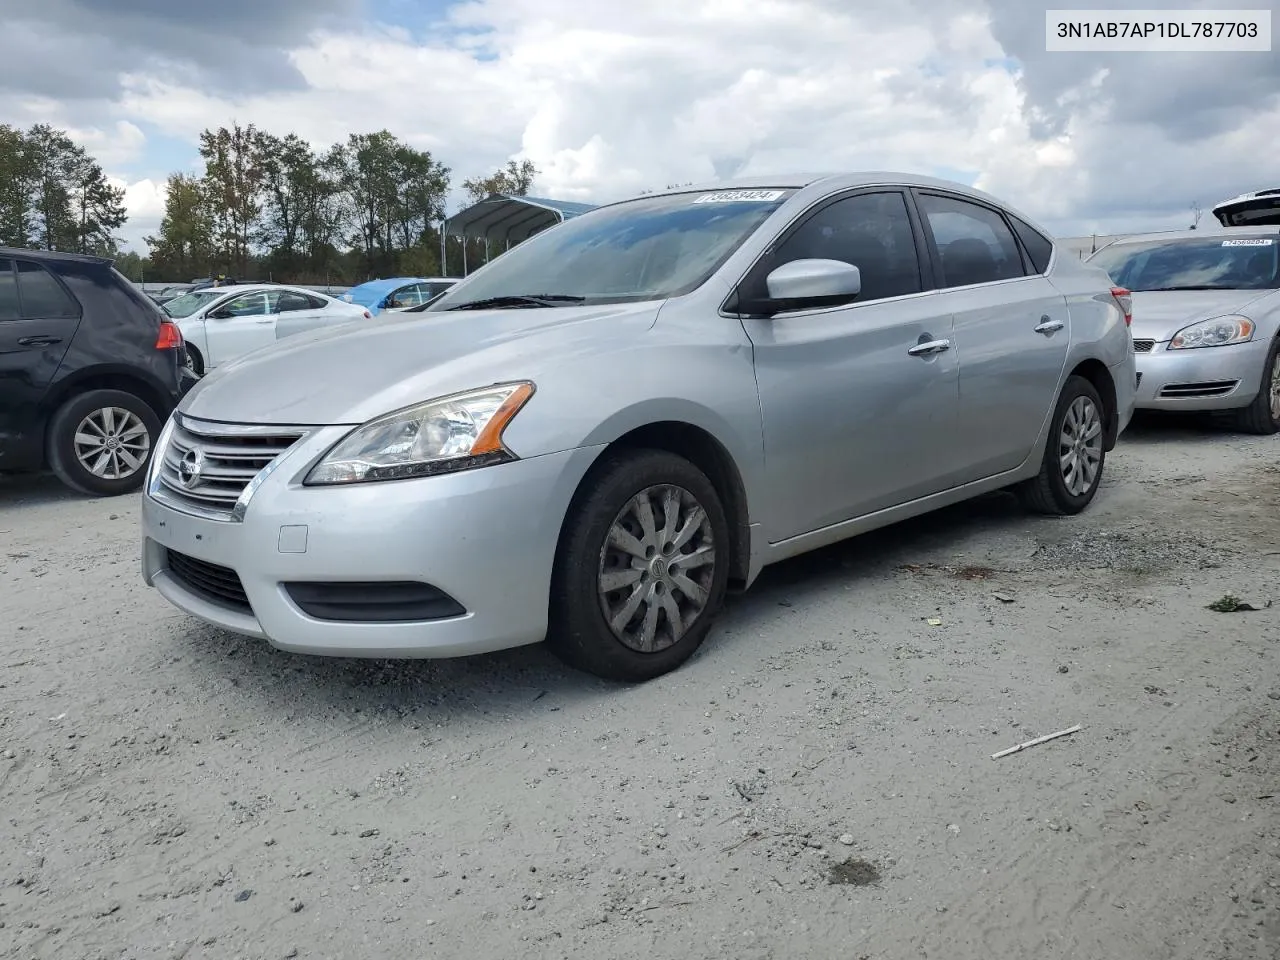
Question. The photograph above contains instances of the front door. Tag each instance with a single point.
(238, 326)
(38, 319)
(857, 416)
(1011, 332)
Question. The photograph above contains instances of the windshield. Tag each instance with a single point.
(646, 249)
(1235, 263)
(189, 303)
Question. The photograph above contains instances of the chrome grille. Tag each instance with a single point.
(1143, 346)
(230, 456)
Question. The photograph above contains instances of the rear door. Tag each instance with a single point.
(238, 326)
(1011, 332)
(38, 320)
(298, 312)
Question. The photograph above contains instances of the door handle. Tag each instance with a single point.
(38, 341)
(1049, 326)
(930, 348)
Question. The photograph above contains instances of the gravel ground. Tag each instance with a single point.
(817, 782)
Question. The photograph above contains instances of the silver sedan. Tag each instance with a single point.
(1206, 320)
(592, 437)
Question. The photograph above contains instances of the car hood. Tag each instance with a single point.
(353, 372)
(1159, 314)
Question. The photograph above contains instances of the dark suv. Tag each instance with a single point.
(89, 371)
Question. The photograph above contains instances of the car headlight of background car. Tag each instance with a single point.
(1217, 332)
(445, 435)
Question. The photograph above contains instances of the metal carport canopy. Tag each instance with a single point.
(506, 220)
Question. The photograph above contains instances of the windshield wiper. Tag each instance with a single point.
(519, 300)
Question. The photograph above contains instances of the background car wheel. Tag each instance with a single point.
(642, 567)
(1263, 415)
(195, 362)
(100, 442)
(1074, 455)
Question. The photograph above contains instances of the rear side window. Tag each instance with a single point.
(287, 301)
(41, 295)
(1039, 247)
(974, 243)
(8, 291)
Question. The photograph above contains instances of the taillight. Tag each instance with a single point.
(1125, 299)
(169, 337)
(368, 315)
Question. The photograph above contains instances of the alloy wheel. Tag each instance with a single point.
(657, 568)
(1275, 390)
(112, 443)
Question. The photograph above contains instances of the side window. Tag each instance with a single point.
(1039, 247)
(409, 296)
(436, 289)
(974, 244)
(246, 305)
(315, 303)
(42, 295)
(8, 291)
(872, 231)
(286, 301)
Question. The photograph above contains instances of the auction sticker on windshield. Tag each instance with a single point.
(740, 196)
(1253, 242)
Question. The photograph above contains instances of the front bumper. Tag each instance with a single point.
(485, 537)
(1204, 378)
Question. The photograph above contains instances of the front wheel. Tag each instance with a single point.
(1074, 455)
(100, 442)
(642, 567)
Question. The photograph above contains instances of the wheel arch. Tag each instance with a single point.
(706, 452)
(109, 377)
(1096, 372)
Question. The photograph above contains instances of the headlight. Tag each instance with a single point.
(1217, 332)
(440, 436)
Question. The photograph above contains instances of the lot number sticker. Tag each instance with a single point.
(740, 196)
(1259, 242)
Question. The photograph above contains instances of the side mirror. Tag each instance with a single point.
(813, 283)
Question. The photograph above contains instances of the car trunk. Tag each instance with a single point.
(1251, 210)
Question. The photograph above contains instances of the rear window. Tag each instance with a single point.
(1039, 247)
(42, 296)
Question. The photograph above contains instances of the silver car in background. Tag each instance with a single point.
(1206, 320)
(592, 437)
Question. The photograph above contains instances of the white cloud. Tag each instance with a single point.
(608, 99)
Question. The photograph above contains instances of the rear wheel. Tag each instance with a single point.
(100, 442)
(1074, 455)
(1262, 416)
(642, 567)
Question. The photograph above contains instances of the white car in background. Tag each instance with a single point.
(220, 324)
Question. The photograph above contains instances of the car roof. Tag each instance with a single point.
(255, 288)
(1214, 233)
(53, 255)
(846, 181)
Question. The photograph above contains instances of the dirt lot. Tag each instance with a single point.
(167, 790)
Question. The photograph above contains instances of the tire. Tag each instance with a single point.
(195, 362)
(1262, 416)
(103, 414)
(580, 633)
(1048, 492)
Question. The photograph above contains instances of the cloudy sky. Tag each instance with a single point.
(609, 98)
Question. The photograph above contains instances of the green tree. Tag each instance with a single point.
(232, 185)
(17, 185)
(514, 180)
(184, 247)
(97, 207)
